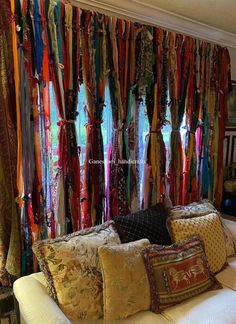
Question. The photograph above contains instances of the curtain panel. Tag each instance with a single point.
(154, 176)
(10, 244)
(64, 40)
(119, 46)
(178, 81)
(93, 43)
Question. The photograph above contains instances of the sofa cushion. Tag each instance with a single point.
(228, 276)
(204, 226)
(43, 309)
(125, 283)
(71, 266)
(212, 307)
(143, 317)
(149, 223)
(177, 272)
(203, 208)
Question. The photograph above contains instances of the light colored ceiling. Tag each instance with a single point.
(217, 13)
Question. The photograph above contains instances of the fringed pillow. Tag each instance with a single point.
(177, 272)
(71, 266)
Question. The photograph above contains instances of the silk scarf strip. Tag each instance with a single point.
(94, 66)
(131, 142)
(9, 220)
(176, 63)
(191, 120)
(118, 48)
(224, 88)
(47, 155)
(157, 113)
(17, 91)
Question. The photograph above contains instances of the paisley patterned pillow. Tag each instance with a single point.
(177, 272)
(71, 266)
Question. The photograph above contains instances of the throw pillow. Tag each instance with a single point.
(209, 228)
(71, 266)
(125, 283)
(149, 223)
(194, 209)
(177, 272)
(203, 208)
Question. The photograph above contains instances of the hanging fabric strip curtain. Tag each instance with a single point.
(60, 46)
(154, 176)
(65, 67)
(178, 71)
(94, 74)
(118, 39)
(132, 131)
(223, 83)
(47, 53)
(9, 219)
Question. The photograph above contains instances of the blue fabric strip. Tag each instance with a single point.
(38, 37)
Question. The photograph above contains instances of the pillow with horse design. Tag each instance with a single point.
(177, 272)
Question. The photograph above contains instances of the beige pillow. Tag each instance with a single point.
(209, 228)
(125, 283)
(71, 266)
(203, 208)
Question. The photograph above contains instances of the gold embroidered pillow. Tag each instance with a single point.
(71, 266)
(177, 272)
(203, 208)
(209, 228)
(125, 283)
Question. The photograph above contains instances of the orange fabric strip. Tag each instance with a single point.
(16, 78)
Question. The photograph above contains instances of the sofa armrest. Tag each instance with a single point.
(231, 225)
(35, 305)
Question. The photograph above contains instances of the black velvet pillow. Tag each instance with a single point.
(149, 223)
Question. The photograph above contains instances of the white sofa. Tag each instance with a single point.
(213, 307)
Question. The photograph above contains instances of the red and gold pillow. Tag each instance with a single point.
(177, 272)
